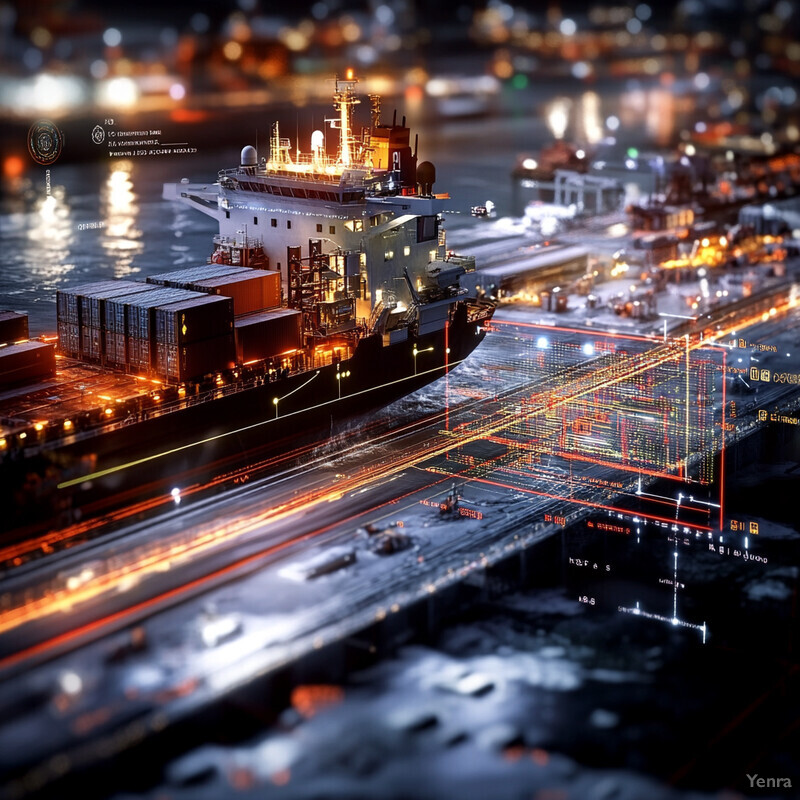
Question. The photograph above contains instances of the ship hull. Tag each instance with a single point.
(203, 441)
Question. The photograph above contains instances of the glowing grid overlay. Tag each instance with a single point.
(606, 414)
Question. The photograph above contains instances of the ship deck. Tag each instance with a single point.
(84, 400)
(77, 390)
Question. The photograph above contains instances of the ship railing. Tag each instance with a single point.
(322, 164)
(161, 410)
(376, 312)
(305, 165)
(233, 241)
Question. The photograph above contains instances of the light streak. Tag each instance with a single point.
(581, 386)
(626, 511)
(154, 456)
(675, 588)
(638, 612)
(686, 450)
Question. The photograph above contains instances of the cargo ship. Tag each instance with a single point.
(329, 291)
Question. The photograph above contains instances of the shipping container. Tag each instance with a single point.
(13, 326)
(180, 363)
(26, 362)
(267, 334)
(69, 338)
(67, 307)
(178, 277)
(68, 301)
(131, 314)
(139, 331)
(91, 343)
(83, 304)
(116, 305)
(93, 300)
(116, 351)
(137, 352)
(192, 318)
(254, 290)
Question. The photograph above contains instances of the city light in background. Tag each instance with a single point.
(453, 341)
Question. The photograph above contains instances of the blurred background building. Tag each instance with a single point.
(734, 65)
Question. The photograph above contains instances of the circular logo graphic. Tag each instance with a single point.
(98, 135)
(45, 142)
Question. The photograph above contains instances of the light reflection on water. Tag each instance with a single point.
(590, 117)
(181, 255)
(648, 115)
(121, 239)
(101, 221)
(50, 236)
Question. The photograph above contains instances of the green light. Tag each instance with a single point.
(519, 81)
(633, 152)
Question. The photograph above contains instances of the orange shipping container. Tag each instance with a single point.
(253, 291)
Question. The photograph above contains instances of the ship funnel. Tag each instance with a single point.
(249, 156)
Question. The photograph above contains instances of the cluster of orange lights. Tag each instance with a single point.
(13, 167)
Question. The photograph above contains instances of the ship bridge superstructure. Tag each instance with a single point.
(353, 233)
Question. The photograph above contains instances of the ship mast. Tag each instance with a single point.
(279, 148)
(344, 99)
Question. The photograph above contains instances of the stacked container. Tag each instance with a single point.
(255, 291)
(26, 362)
(267, 334)
(81, 316)
(150, 329)
(251, 289)
(194, 336)
(178, 277)
(135, 311)
(13, 326)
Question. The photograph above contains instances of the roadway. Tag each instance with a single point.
(248, 554)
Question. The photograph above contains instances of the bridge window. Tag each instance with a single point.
(255, 220)
(319, 227)
(288, 224)
(274, 223)
(332, 230)
(426, 228)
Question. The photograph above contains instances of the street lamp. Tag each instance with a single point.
(673, 316)
(416, 352)
(276, 400)
(339, 376)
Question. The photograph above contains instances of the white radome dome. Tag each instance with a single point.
(249, 156)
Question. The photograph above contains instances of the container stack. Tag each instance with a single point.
(250, 289)
(81, 316)
(173, 334)
(192, 335)
(131, 314)
(178, 278)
